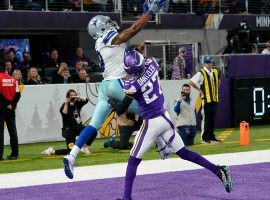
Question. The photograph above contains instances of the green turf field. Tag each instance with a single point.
(30, 158)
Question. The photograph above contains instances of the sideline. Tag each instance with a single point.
(225, 134)
(118, 170)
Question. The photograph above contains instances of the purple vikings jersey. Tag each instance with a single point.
(146, 90)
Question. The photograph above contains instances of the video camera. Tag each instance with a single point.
(241, 37)
(183, 94)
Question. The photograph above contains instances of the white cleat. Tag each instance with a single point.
(69, 161)
(85, 150)
(47, 151)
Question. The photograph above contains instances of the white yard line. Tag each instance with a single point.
(118, 170)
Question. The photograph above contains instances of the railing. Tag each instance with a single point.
(220, 63)
(200, 7)
(165, 52)
(259, 47)
(131, 9)
(60, 5)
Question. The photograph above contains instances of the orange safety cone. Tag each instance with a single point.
(244, 133)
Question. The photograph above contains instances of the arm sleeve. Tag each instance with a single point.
(61, 110)
(64, 117)
(82, 103)
(197, 79)
(177, 107)
(16, 99)
(123, 106)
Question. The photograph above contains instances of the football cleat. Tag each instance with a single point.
(215, 140)
(205, 142)
(224, 176)
(47, 151)
(165, 152)
(85, 150)
(68, 161)
(12, 157)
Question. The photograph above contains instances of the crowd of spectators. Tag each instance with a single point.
(215, 6)
(53, 69)
(135, 7)
(201, 6)
(59, 5)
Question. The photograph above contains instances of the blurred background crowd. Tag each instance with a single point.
(47, 62)
(135, 6)
(51, 68)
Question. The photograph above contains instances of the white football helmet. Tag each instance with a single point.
(100, 24)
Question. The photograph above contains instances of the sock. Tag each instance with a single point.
(91, 139)
(88, 132)
(75, 151)
(133, 163)
(191, 156)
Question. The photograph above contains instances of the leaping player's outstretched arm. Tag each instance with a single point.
(128, 33)
(150, 8)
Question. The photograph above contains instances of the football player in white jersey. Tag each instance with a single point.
(110, 47)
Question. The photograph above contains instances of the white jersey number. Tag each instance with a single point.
(149, 94)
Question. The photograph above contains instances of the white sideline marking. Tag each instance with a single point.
(118, 170)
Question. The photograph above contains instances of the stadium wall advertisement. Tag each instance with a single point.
(38, 118)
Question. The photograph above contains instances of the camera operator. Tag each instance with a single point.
(186, 119)
(244, 37)
(72, 123)
(240, 39)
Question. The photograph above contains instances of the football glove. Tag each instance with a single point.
(113, 103)
(153, 6)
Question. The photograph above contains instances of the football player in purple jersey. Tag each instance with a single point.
(144, 87)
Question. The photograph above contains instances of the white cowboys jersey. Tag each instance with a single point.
(111, 56)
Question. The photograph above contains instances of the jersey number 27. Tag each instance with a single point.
(150, 93)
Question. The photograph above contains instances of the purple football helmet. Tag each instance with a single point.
(134, 63)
